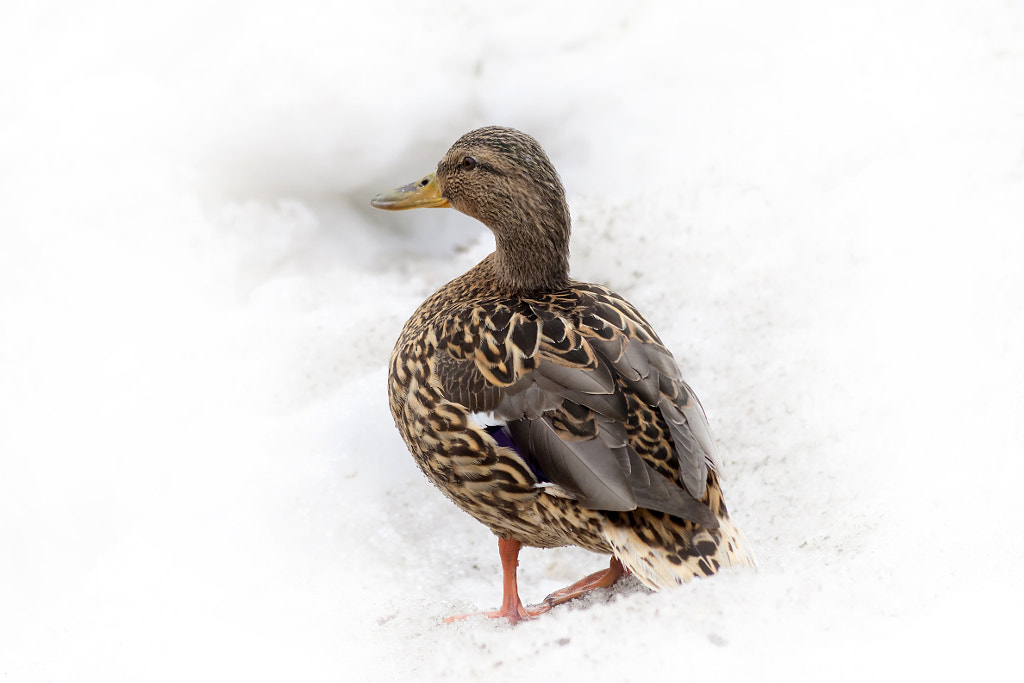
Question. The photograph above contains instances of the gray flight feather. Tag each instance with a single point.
(587, 468)
(693, 468)
(631, 362)
(693, 411)
(549, 384)
(604, 472)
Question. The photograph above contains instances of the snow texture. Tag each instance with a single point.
(820, 207)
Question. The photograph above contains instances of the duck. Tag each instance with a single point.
(546, 408)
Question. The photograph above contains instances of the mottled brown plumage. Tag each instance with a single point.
(595, 440)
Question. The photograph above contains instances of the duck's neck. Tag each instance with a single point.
(532, 256)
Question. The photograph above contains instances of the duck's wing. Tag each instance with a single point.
(566, 375)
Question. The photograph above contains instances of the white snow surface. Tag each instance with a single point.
(820, 207)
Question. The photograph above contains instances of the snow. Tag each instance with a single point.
(819, 207)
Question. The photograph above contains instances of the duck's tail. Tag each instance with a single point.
(665, 555)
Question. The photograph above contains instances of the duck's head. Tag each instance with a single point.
(503, 178)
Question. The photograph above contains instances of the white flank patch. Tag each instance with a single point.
(487, 420)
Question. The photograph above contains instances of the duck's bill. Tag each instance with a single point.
(418, 195)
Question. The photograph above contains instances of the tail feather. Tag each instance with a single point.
(662, 565)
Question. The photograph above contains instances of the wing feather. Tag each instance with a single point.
(560, 379)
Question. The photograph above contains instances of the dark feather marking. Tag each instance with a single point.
(499, 317)
(524, 336)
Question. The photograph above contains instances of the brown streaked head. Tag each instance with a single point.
(503, 178)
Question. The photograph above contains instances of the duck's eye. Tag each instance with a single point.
(469, 163)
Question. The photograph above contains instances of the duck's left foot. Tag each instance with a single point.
(601, 579)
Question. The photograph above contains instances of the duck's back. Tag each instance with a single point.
(560, 418)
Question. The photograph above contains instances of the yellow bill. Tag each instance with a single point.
(418, 195)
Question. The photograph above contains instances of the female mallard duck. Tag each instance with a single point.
(546, 408)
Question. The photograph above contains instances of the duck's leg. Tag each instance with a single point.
(602, 579)
(511, 606)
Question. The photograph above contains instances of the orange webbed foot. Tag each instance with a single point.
(514, 614)
(602, 579)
